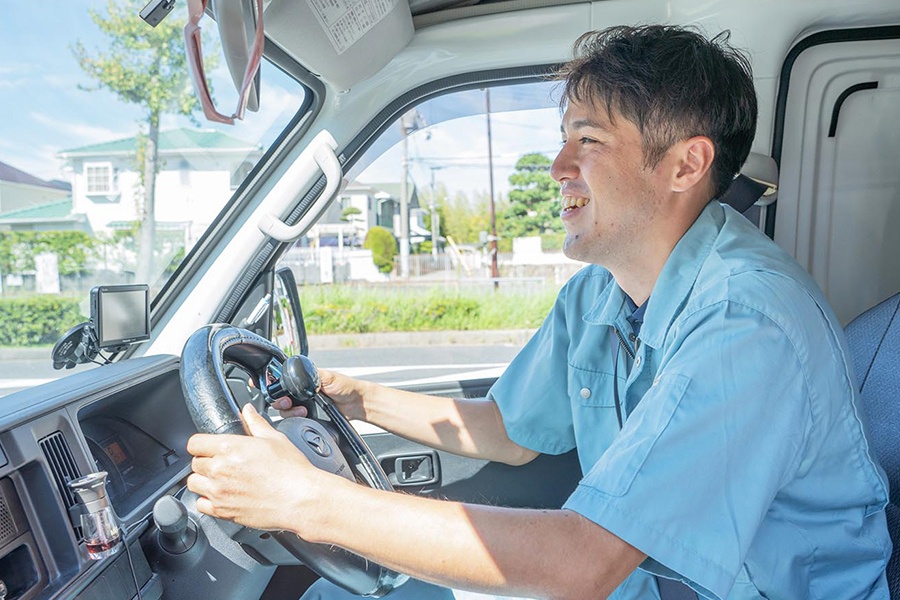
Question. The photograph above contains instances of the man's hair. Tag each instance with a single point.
(673, 84)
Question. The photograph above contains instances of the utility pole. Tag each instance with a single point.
(495, 271)
(435, 228)
(407, 126)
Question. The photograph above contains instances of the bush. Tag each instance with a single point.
(35, 320)
(72, 248)
(383, 246)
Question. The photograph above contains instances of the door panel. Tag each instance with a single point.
(839, 198)
(545, 482)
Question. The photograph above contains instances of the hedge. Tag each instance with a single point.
(355, 309)
(35, 320)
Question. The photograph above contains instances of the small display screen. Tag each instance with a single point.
(122, 314)
(116, 453)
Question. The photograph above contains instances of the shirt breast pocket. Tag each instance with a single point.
(591, 388)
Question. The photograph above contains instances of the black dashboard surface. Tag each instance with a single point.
(128, 419)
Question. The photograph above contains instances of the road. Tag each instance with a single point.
(392, 364)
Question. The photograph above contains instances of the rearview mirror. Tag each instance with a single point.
(288, 328)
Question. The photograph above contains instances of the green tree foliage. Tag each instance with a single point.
(73, 249)
(463, 218)
(348, 213)
(384, 248)
(534, 203)
(146, 66)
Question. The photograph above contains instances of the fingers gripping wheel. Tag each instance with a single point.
(326, 438)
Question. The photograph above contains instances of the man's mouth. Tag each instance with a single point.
(573, 202)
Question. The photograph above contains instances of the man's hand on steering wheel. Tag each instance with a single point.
(231, 485)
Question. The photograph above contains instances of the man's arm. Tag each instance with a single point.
(536, 553)
(472, 428)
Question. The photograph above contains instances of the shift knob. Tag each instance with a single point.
(176, 532)
(300, 378)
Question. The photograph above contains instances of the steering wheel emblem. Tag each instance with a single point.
(315, 441)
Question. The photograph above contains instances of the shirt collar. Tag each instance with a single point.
(672, 287)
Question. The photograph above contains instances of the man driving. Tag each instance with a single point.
(696, 367)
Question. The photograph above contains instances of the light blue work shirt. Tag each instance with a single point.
(742, 467)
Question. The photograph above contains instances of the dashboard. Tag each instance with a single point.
(128, 419)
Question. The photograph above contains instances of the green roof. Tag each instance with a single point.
(51, 211)
(170, 141)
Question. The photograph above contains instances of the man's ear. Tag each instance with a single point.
(695, 157)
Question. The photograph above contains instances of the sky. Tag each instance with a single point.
(46, 109)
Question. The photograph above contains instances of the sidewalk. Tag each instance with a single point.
(353, 340)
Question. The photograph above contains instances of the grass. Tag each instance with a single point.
(355, 309)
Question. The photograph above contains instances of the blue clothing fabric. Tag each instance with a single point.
(742, 466)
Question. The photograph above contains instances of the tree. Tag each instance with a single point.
(348, 213)
(384, 248)
(146, 66)
(534, 204)
(463, 219)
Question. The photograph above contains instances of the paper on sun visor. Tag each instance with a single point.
(346, 21)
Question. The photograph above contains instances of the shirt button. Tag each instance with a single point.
(585, 393)
(637, 361)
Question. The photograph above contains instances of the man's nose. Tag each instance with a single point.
(563, 166)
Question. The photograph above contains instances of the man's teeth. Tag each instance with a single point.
(570, 202)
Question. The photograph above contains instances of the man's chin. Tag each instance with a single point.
(570, 247)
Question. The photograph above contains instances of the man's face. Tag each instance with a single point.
(609, 198)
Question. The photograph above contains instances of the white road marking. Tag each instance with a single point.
(367, 371)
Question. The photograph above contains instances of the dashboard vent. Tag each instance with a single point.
(63, 467)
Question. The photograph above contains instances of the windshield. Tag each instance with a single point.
(84, 198)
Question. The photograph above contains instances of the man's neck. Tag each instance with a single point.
(637, 274)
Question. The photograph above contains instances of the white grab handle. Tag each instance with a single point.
(328, 162)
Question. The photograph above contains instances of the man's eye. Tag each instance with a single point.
(586, 140)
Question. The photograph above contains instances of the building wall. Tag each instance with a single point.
(15, 196)
(190, 191)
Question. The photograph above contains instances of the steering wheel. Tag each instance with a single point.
(325, 438)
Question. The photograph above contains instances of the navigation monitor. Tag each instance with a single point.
(120, 314)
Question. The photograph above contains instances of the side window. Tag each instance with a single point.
(453, 212)
(99, 178)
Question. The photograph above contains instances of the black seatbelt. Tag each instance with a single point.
(743, 193)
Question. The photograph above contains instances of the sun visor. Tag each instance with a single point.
(340, 41)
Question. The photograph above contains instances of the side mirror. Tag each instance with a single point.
(288, 328)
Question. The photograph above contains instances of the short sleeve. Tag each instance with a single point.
(695, 468)
(532, 392)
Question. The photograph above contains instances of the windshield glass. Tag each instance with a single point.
(87, 91)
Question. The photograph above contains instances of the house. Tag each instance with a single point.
(362, 206)
(198, 173)
(51, 216)
(21, 193)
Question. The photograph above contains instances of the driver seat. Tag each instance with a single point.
(874, 339)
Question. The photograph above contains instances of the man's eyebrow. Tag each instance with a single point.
(582, 123)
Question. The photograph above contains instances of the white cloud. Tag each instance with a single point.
(84, 133)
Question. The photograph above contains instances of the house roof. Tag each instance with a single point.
(14, 175)
(172, 140)
(394, 190)
(52, 211)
